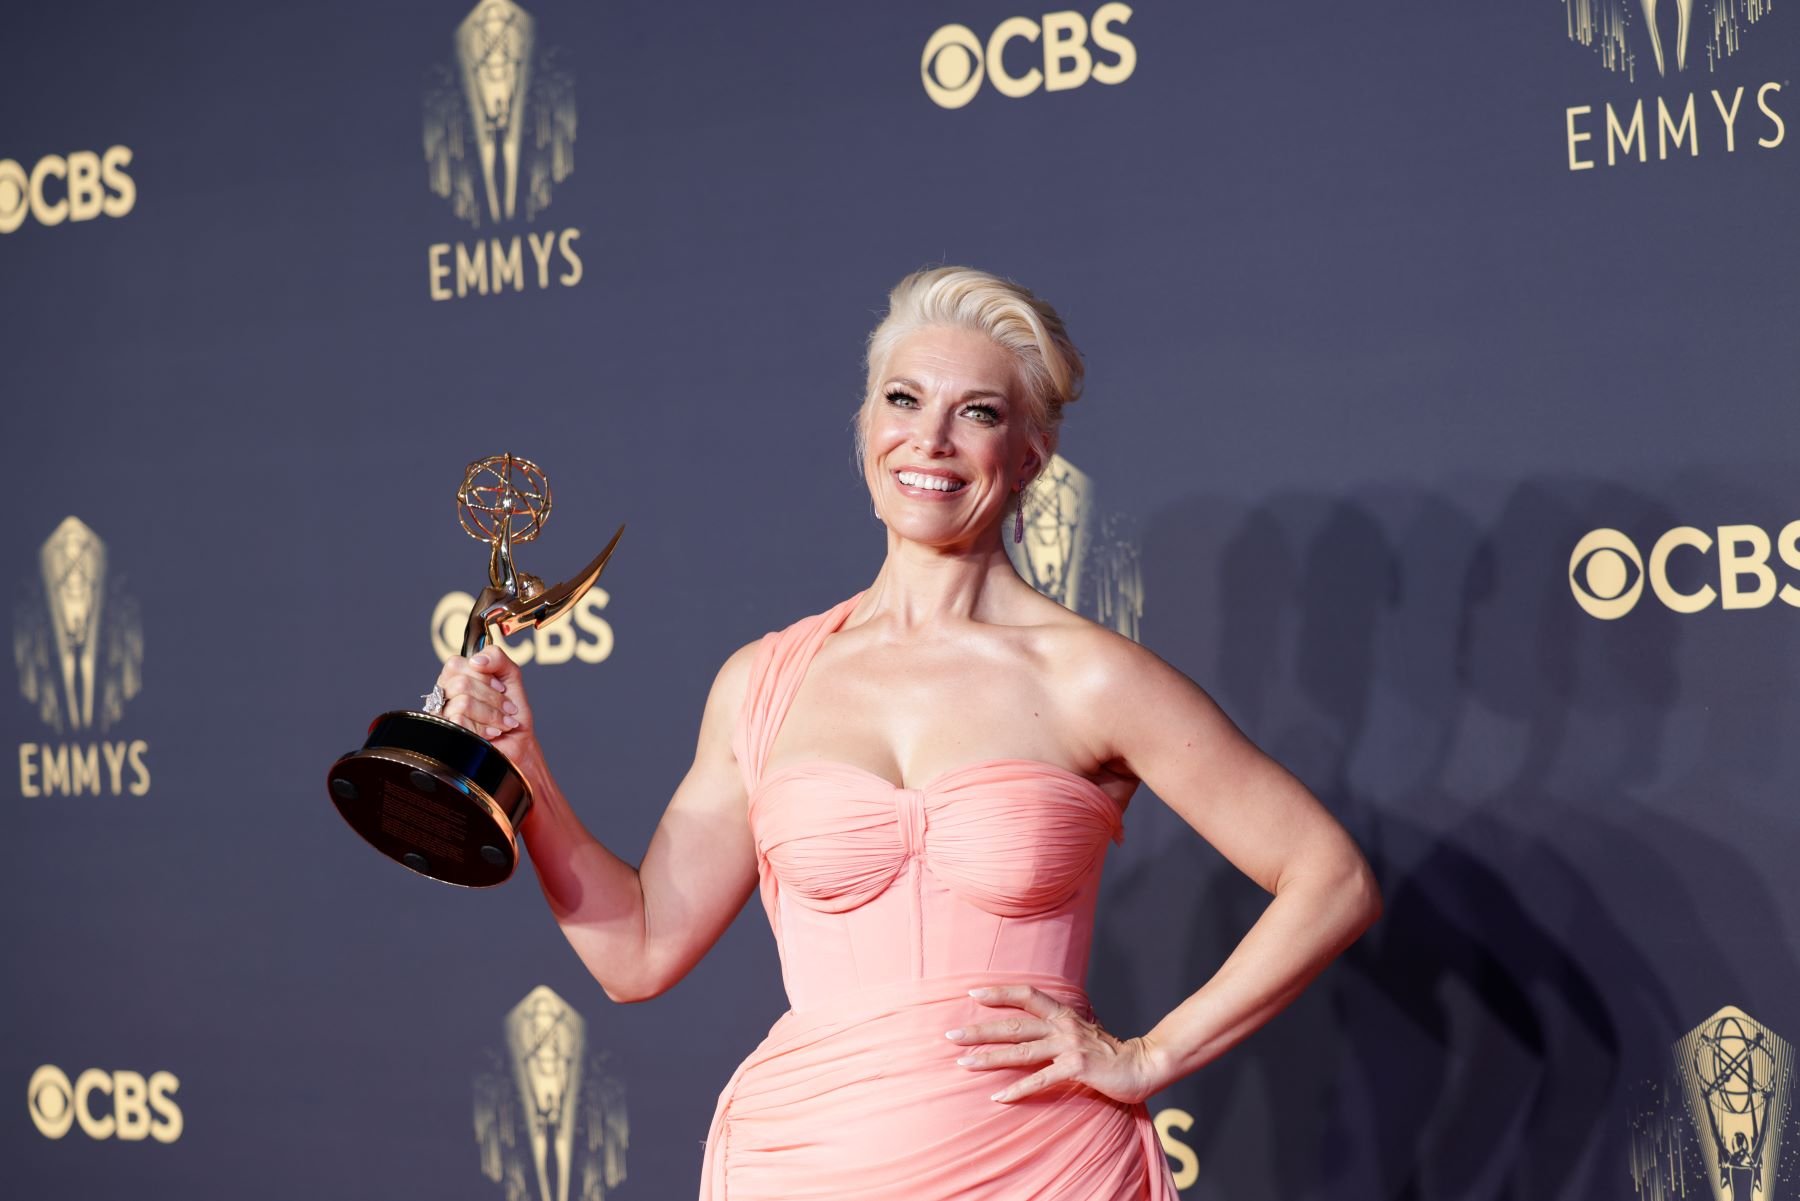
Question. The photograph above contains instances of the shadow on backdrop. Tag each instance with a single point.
(1429, 677)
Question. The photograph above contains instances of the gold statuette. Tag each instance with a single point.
(423, 790)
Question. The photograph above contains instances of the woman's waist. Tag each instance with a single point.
(866, 956)
(889, 1037)
(915, 998)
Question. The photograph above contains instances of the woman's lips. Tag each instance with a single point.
(928, 485)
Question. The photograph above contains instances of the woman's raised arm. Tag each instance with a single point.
(639, 930)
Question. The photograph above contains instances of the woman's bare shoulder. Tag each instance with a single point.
(729, 687)
(1091, 661)
(734, 674)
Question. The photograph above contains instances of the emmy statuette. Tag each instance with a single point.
(423, 790)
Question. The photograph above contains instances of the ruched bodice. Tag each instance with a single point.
(991, 866)
(1014, 837)
(887, 904)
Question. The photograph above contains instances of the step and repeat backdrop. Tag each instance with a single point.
(1442, 423)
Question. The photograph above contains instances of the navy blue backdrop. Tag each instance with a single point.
(1440, 422)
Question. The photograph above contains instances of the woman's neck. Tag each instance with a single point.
(921, 586)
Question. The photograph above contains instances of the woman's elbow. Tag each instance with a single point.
(623, 995)
(643, 985)
(630, 992)
(630, 987)
(1362, 897)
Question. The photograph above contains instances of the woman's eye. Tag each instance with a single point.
(986, 414)
(900, 398)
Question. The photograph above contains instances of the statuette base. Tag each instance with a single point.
(434, 797)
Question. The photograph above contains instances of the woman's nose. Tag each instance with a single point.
(931, 435)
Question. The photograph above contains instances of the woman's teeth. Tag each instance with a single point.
(937, 483)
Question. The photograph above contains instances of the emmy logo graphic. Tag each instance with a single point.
(78, 644)
(548, 1112)
(1717, 1125)
(80, 658)
(1072, 553)
(1605, 26)
(500, 110)
(499, 138)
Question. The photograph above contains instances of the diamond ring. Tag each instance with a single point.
(434, 700)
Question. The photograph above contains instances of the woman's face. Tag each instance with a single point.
(947, 437)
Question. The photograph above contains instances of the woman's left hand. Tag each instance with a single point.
(1070, 1047)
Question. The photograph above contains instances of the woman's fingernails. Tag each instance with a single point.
(493, 731)
(512, 723)
(965, 1060)
(953, 1034)
(497, 685)
(479, 660)
(509, 707)
(978, 992)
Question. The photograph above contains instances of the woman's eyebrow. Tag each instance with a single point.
(971, 394)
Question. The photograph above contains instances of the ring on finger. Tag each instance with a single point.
(435, 700)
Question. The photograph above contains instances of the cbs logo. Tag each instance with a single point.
(89, 184)
(955, 60)
(586, 635)
(1607, 574)
(1171, 1124)
(137, 1109)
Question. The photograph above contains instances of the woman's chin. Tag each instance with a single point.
(937, 535)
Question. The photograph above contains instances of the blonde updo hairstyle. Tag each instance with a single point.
(1017, 321)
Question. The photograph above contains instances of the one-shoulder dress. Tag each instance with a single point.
(888, 904)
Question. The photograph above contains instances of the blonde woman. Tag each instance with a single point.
(922, 782)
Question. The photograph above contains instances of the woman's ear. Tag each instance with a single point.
(1032, 467)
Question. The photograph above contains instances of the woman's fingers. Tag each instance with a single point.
(1061, 1043)
(1007, 1030)
(1025, 1038)
(1037, 1082)
(477, 699)
(472, 675)
(1042, 1013)
(483, 718)
(492, 660)
(1012, 1055)
(1020, 996)
(503, 676)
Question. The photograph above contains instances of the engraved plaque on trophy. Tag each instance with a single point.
(423, 790)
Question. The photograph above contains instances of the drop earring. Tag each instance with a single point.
(1019, 517)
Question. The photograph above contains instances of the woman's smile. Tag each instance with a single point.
(928, 484)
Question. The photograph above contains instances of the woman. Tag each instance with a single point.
(923, 780)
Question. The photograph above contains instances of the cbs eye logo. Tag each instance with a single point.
(955, 60)
(77, 187)
(1607, 574)
(136, 1108)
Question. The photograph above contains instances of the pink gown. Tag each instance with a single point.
(888, 904)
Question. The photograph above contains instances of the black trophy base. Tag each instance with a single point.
(429, 794)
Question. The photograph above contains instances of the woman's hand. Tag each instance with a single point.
(1071, 1047)
(487, 696)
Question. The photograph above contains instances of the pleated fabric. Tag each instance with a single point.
(888, 904)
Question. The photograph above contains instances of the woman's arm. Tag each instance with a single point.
(1171, 735)
(639, 930)
(1149, 720)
